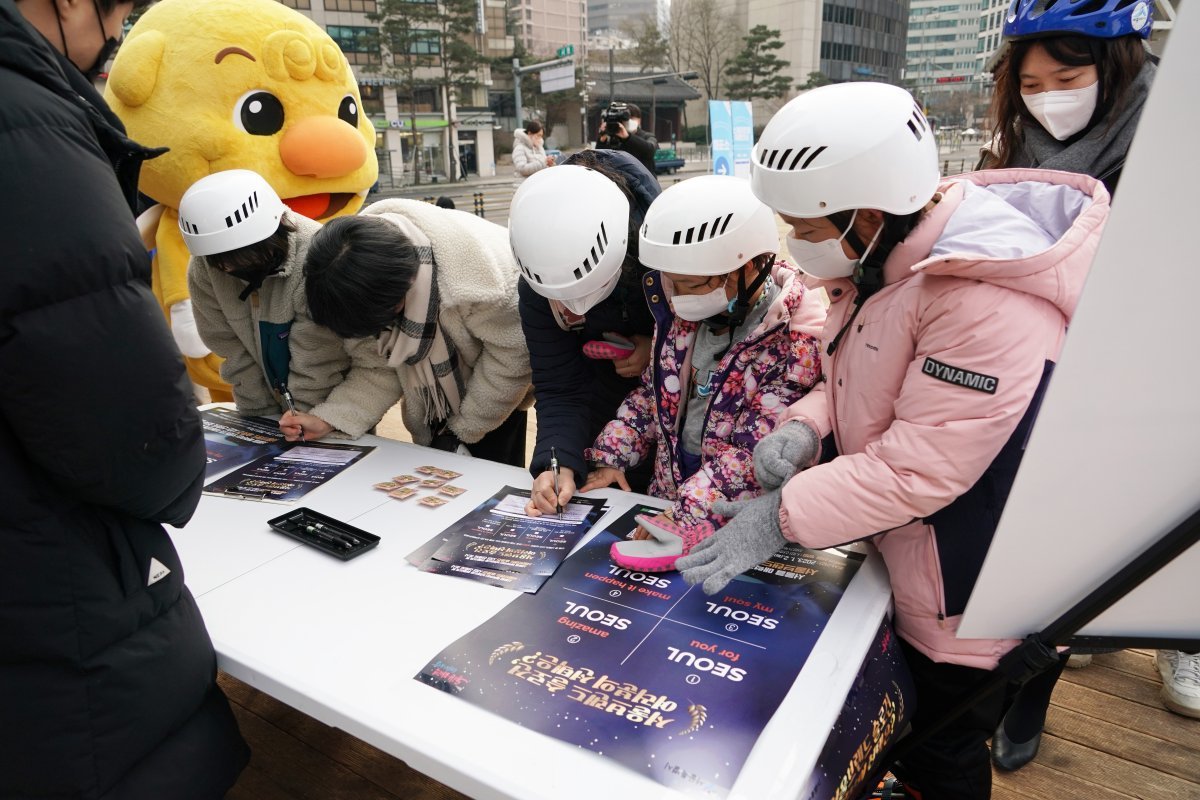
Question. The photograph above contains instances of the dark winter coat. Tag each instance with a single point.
(640, 144)
(107, 675)
(575, 395)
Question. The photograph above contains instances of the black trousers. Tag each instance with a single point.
(505, 444)
(954, 764)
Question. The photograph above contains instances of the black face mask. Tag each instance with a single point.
(106, 50)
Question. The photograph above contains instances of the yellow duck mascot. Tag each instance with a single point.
(236, 84)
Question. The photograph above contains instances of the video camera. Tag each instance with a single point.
(616, 115)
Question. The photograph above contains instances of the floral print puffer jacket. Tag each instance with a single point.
(750, 390)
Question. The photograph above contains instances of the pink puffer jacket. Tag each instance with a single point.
(931, 392)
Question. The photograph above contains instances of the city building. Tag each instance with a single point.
(609, 16)
(944, 43)
(449, 138)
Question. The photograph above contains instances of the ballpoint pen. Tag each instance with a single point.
(554, 469)
(291, 404)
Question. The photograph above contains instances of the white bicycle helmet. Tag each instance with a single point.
(569, 230)
(709, 225)
(846, 146)
(228, 210)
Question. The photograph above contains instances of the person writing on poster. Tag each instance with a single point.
(247, 287)
(107, 675)
(949, 307)
(574, 234)
(436, 289)
(735, 344)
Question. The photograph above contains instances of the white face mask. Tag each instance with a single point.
(631, 126)
(581, 305)
(1064, 113)
(699, 307)
(826, 260)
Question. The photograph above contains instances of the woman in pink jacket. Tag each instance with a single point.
(949, 306)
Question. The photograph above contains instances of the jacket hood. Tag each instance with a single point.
(643, 185)
(521, 136)
(1033, 231)
(24, 50)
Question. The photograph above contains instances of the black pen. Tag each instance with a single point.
(554, 468)
(345, 537)
(328, 537)
(291, 404)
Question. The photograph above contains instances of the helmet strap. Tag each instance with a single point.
(740, 307)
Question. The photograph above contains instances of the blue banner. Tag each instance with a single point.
(643, 668)
(743, 137)
(720, 124)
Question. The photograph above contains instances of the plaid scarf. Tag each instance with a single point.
(416, 346)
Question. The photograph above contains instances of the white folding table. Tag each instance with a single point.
(341, 641)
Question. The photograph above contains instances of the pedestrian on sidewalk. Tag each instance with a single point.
(529, 151)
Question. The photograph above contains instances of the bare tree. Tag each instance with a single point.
(649, 49)
(702, 36)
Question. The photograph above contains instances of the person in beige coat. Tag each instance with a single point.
(438, 288)
(529, 153)
(247, 288)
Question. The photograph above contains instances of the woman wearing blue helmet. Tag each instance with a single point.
(1068, 96)
(1069, 92)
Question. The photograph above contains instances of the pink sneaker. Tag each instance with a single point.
(668, 543)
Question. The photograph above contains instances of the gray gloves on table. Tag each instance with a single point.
(751, 536)
(781, 454)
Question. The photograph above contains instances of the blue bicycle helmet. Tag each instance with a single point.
(1102, 19)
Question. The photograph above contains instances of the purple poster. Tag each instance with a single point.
(643, 668)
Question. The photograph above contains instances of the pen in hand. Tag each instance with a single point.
(554, 469)
(291, 404)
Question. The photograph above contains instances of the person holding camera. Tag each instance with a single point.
(621, 129)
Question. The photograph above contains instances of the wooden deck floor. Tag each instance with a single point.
(1107, 738)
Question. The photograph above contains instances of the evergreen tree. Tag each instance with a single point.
(755, 71)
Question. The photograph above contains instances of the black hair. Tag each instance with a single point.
(266, 256)
(1118, 62)
(357, 272)
(634, 111)
(533, 126)
(444, 202)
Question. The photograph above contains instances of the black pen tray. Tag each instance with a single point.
(333, 536)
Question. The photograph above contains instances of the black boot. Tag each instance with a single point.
(1009, 755)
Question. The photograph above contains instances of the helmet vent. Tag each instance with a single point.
(767, 158)
(691, 234)
(917, 124)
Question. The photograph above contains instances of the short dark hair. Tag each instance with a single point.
(444, 202)
(634, 111)
(357, 271)
(270, 253)
(533, 126)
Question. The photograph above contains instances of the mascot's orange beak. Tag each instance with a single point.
(321, 147)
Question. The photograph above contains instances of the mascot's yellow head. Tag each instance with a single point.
(244, 84)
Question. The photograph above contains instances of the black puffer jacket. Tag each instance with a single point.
(576, 396)
(107, 675)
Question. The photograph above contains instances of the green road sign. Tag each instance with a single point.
(565, 50)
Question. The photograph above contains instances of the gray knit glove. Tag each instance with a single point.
(751, 537)
(783, 453)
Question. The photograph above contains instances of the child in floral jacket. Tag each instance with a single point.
(735, 343)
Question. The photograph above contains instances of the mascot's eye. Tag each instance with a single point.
(258, 113)
(348, 111)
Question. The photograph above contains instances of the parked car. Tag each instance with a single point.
(666, 161)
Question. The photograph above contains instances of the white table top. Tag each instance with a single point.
(341, 641)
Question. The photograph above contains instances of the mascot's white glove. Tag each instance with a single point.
(183, 328)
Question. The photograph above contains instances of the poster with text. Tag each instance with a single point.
(231, 440)
(742, 114)
(720, 123)
(646, 670)
(286, 477)
(499, 544)
(879, 705)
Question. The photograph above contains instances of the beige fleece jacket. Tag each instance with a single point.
(477, 282)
